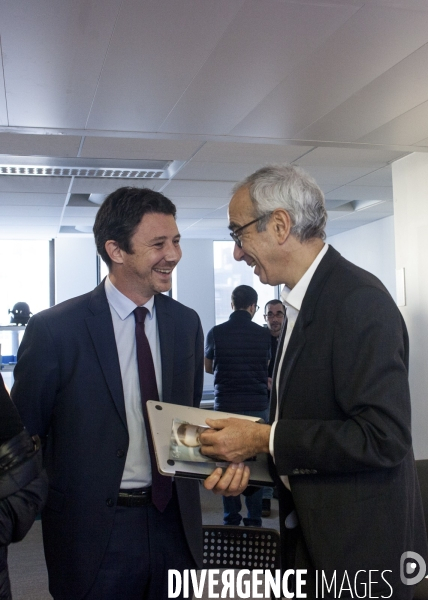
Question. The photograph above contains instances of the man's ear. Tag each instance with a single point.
(114, 252)
(281, 224)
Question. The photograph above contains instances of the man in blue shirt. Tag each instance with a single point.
(109, 532)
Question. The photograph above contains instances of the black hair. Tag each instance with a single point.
(121, 213)
(244, 296)
(274, 301)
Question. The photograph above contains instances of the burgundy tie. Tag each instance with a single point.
(161, 485)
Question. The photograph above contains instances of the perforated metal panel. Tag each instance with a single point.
(240, 547)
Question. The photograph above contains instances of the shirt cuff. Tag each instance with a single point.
(271, 439)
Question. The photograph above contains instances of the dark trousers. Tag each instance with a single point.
(143, 545)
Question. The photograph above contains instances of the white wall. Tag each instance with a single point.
(410, 185)
(195, 284)
(75, 267)
(371, 247)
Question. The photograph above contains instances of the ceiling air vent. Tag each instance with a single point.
(87, 167)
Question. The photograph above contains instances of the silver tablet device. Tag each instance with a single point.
(175, 431)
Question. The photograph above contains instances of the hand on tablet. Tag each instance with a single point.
(234, 440)
(231, 482)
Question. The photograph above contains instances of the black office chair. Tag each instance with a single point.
(227, 547)
(421, 589)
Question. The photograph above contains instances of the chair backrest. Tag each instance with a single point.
(227, 547)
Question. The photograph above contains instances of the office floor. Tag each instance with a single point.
(26, 560)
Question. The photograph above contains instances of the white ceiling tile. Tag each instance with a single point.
(24, 200)
(220, 213)
(267, 40)
(407, 128)
(135, 148)
(29, 211)
(53, 54)
(74, 220)
(192, 213)
(23, 221)
(234, 152)
(400, 89)
(80, 211)
(337, 213)
(380, 177)
(39, 145)
(227, 171)
(156, 50)
(183, 224)
(217, 189)
(349, 157)
(372, 41)
(106, 185)
(3, 107)
(361, 192)
(200, 202)
(46, 185)
(332, 176)
(211, 223)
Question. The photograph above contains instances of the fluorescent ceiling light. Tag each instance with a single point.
(88, 167)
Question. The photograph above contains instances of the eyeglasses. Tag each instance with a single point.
(257, 307)
(278, 315)
(235, 234)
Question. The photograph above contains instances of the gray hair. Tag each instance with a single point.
(290, 188)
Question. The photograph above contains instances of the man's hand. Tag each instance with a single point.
(230, 483)
(234, 440)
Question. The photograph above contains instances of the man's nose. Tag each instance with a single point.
(238, 253)
(173, 253)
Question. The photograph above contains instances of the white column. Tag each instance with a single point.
(410, 185)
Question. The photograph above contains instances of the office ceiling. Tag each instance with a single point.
(216, 88)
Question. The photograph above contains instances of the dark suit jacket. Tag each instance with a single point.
(68, 387)
(343, 434)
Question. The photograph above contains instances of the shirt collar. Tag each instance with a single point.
(295, 296)
(121, 303)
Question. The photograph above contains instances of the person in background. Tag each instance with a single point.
(340, 436)
(23, 483)
(274, 317)
(237, 353)
(112, 525)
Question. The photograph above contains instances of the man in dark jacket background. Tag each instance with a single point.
(237, 353)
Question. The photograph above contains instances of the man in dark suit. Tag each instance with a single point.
(340, 439)
(79, 384)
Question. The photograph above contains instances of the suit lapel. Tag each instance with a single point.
(100, 326)
(166, 328)
(306, 313)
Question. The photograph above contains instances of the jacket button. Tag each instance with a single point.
(109, 502)
(120, 453)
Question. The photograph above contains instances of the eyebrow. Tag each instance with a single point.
(162, 238)
(233, 226)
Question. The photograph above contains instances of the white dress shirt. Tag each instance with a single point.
(137, 472)
(292, 300)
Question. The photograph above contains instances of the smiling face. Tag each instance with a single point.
(155, 253)
(258, 247)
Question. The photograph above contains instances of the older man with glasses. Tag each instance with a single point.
(340, 438)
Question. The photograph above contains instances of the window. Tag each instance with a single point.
(228, 274)
(24, 277)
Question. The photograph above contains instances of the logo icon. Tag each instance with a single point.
(412, 568)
